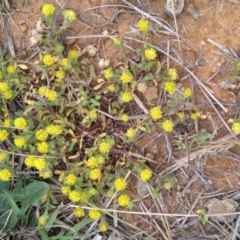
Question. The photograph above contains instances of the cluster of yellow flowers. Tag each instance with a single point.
(51, 95)
(5, 175)
(5, 90)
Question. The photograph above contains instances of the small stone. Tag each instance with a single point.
(91, 50)
(23, 28)
(103, 63)
(142, 87)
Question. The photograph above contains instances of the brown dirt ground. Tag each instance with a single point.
(218, 20)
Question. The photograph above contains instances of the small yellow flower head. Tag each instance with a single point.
(70, 179)
(73, 54)
(19, 141)
(48, 60)
(74, 196)
(187, 92)
(104, 147)
(93, 114)
(150, 53)
(78, 212)
(167, 126)
(1, 75)
(69, 15)
(92, 192)
(236, 128)
(3, 87)
(65, 190)
(103, 227)
(95, 174)
(42, 147)
(131, 133)
(5, 175)
(20, 123)
(11, 69)
(40, 163)
(42, 135)
(7, 122)
(85, 196)
(48, 9)
(92, 162)
(65, 62)
(194, 116)
(126, 76)
(100, 159)
(156, 113)
(123, 200)
(51, 95)
(181, 116)
(120, 184)
(54, 130)
(42, 90)
(46, 174)
(126, 97)
(170, 87)
(143, 25)
(145, 174)
(42, 220)
(29, 161)
(124, 117)
(8, 94)
(3, 134)
(118, 41)
(94, 214)
(111, 88)
(108, 73)
(60, 74)
(3, 156)
(172, 73)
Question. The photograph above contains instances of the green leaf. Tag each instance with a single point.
(79, 226)
(44, 235)
(52, 219)
(4, 186)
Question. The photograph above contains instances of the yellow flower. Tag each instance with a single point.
(51, 95)
(85, 197)
(170, 87)
(7, 94)
(156, 113)
(40, 163)
(65, 190)
(19, 141)
(20, 123)
(145, 174)
(93, 191)
(48, 60)
(131, 133)
(42, 135)
(65, 62)
(42, 147)
(54, 130)
(172, 72)
(93, 114)
(42, 220)
(194, 116)
(73, 54)
(124, 117)
(69, 15)
(236, 127)
(70, 179)
(181, 116)
(143, 25)
(29, 161)
(3, 87)
(95, 174)
(42, 90)
(7, 122)
(117, 41)
(94, 214)
(48, 9)
(11, 69)
(108, 73)
(3, 134)
(46, 174)
(111, 88)
(79, 212)
(3, 156)
(5, 175)
(123, 200)
(92, 162)
(120, 184)
(103, 227)
(104, 147)
(126, 76)
(167, 126)
(126, 97)
(101, 160)
(150, 53)
(187, 92)
(60, 74)
(74, 196)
